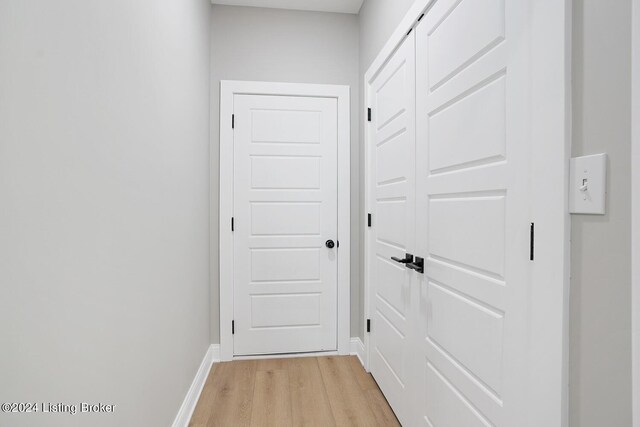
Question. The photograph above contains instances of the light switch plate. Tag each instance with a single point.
(588, 184)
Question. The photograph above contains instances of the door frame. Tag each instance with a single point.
(635, 195)
(551, 131)
(228, 89)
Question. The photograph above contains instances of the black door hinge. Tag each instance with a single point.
(368, 325)
(532, 240)
(232, 224)
(368, 220)
(409, 32)
(421, 16)
(233, 327)
(233, 121)
(368, 114)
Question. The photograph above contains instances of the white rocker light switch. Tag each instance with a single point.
(588, 183)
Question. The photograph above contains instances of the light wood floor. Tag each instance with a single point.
(309, 391)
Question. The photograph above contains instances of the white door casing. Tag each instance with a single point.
(635, 225)
(285, 208)
(285, 183)
(392, 194)
(490, 335)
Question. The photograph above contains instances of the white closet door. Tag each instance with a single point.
(285, 209)
(392, 195)
(473, 204)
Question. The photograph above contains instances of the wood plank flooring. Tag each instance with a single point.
(305, 391)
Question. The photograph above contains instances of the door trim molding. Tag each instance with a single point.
(551, 131)
(228, 89)
(357, 349)
(635, 194)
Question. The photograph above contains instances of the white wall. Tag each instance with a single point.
(378, 20)
(250, 43)
(600, 353)
(104, 206)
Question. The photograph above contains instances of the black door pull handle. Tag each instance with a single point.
(330, 244)
(417, 265)
(407, 259)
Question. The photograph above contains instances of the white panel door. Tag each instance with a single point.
(392, 196)
(285, 210)
(473, 205)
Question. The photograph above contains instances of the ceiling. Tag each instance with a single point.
(341, 6)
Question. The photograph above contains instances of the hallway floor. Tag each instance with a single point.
(306, 391)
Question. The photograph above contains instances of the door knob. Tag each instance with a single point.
(417, 265)
(407, 259)
(330, 244)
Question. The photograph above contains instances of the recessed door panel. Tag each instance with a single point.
(446, 406)
(460, 32)
(286, 126)
(389, 105)
(469, 231)
(388, 275)
(285, 264)
(391, 230)
(285, 310)
(390, 352)
(483, 112)
(285, 173)
(392, 157)
(469, 331)
(285, 219)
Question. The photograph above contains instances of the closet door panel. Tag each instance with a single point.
(472, 206)
(392, 202)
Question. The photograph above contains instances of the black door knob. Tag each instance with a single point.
(417, 265)
(329, 244)
(408, 258)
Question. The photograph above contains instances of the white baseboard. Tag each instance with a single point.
(191, 399)
(215, 352)
(357, 349)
